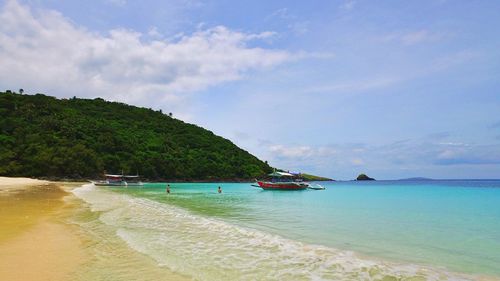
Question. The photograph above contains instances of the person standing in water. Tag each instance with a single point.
(219, 190)
(168, 188)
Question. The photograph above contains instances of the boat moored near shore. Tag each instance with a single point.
(283, 181)
(120, 180)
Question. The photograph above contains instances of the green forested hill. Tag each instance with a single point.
(41, 136)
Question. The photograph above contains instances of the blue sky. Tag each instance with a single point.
(393, 89)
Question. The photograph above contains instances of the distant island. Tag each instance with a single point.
(46, 137)
(308, 177)
(416, 179)
(363, 177)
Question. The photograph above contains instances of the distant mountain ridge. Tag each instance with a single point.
(416, 179)
(42, 136)
(309, 177)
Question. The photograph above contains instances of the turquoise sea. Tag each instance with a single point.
(383, 230)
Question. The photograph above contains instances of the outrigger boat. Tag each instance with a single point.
(119, 180)
(283, 181)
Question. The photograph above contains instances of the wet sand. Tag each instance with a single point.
(46, 251)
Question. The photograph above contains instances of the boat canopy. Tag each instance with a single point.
(280, 174)
(119, 176)
(113, 176)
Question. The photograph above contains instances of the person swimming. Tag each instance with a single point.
(219, 190)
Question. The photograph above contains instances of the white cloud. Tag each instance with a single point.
(43, 51)
(153, 32)
(346, 160)
(348, 5)
(410, 38)
(262, 35)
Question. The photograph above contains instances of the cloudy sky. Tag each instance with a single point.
(394, 89)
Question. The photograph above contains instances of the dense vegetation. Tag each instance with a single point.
(41, 136)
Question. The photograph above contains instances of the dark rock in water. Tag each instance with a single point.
(363, 177)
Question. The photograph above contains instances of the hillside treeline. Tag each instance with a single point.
(41, 136)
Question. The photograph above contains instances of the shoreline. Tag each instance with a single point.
(59, 237)
(146, 181)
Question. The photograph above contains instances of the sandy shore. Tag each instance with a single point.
(34, 245)
(15, 183)
(40, 238)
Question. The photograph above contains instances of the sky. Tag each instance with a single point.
(393, 89)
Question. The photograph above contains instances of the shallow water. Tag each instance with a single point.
(351, 231)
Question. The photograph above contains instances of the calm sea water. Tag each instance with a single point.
(427, 230)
